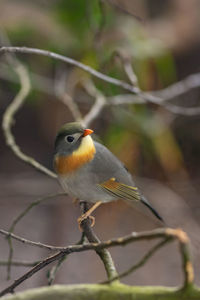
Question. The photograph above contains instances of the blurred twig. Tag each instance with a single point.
(65, 97)
(124, 9)
(39, 83)
(16, 263)
(10, 113)
(145, 96)
(126, 61)
(71, 61)
(97, 107)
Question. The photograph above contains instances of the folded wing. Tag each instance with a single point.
(123, 191)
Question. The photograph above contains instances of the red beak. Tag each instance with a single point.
(87, 132)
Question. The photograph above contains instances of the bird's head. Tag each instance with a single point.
(73, 138)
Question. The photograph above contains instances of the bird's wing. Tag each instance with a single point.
(110, 174)
(127, 192)
(120, 190)
(105, 165)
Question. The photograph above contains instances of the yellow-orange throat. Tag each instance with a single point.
(69, 163)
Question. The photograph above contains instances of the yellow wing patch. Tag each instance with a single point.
(120, 190)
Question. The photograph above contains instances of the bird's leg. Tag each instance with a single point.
(88, 214)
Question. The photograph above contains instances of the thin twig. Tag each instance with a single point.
(10, 113)
(52, 273)
(146, 96)
(70, 103)
(30, 206)
(143, 260)
(100, 102)
(39, 83)
(126, 61)
(16, 263)
(54, 269)
(18, 218)
(27, 242)
(64, 96)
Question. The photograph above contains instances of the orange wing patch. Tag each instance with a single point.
(121, 190)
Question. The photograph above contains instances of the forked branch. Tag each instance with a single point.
(166, 235)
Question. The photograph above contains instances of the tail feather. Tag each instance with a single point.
(147, 204)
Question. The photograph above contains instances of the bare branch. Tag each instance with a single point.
(187, 267)
(54, 269)
(181, 87)
(10, 112)
(16, 263)
(40, 83)
(65, 97)
(25, 241)
(70, 61)
(70, 103)
(18, 218)
(104, 254)
(30, 206)
(100, 102)
(141, 262)
(126, 61)
(168, 233)
(125, 99)
(31, 272)
(190, 82)
(147, 97)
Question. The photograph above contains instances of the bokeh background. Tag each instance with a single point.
(161, 149)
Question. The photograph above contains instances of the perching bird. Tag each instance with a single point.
(87, 170)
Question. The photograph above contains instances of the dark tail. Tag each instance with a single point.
(147, 204)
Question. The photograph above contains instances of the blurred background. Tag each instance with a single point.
(161, 40)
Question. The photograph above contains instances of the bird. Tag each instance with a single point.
(90, 172)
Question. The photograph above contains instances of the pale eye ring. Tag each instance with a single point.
(70, 138)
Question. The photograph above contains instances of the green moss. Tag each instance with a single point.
(115, 291)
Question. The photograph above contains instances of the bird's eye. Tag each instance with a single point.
(70, 138)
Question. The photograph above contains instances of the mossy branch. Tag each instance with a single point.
(104, 292)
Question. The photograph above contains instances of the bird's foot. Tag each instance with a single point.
(87, 214)
(84, 217)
